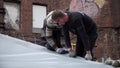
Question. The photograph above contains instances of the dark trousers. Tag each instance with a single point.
(56, 38)
(80, 48)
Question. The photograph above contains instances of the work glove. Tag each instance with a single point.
(72, 53)
(61, 51)
(88, 57)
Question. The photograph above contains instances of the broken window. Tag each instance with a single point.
(12, 13)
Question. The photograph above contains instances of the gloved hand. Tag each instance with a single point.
(61, 51)
(88, 57)
(72, 53)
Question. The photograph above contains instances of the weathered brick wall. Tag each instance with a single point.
(54, 4)
(26, 16)
(107, 44)
(1, 3)
(106, 13)
(108, 40)
(104, 18)
(25, 20)
(1, 6)
(1, 16)
(64, 4)
(115, 11)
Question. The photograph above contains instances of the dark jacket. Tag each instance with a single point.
(81, 25)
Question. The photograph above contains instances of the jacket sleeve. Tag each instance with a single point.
(66, 36)
(81, 33)
(51, 43)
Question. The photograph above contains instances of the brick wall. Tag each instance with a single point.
(1, 6)
(107, 44)
(105, 16)
(1, 16)
(115, 11)
(26, 17)
(54, 4)
(1, 3)
(108, 22)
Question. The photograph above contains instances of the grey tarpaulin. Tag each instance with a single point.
(15, 53)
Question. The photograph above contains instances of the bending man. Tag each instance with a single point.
(81, 25)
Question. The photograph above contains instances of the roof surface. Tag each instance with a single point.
(15, 53)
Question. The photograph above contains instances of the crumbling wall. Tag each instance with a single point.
(1, 16)
(107, 44)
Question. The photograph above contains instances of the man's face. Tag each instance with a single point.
(61, 21)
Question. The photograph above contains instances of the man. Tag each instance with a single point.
(53, 34)
(81, 25)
